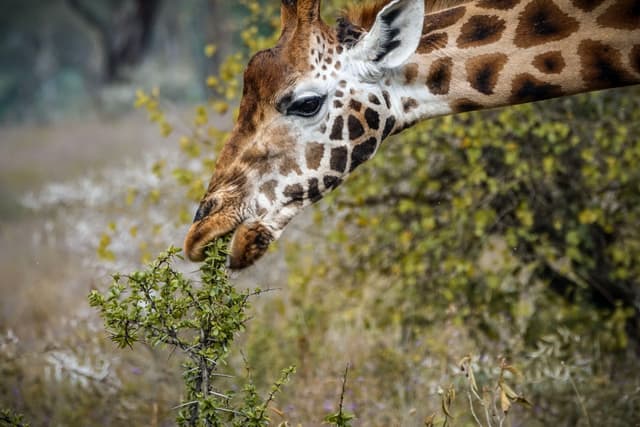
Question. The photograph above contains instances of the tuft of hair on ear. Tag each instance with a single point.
(364, 15)
(347, 33)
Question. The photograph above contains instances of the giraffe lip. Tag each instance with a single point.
(198, 237)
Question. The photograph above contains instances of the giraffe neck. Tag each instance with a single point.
(495, 53)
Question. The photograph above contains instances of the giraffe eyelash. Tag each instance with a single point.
(307, 106)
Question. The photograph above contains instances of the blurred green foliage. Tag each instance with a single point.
(10, 419)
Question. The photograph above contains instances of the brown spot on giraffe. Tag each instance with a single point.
(623, 15)
(549, 62)
(542, 21)
(410, 73)
(362, 152)
(441, 20)
(314, 191)
(295, 194)
(336, 131)
(355, 105)
(483, 71)
(330, 182)
(356, 130)
(338, 161)
(601, 65)
(480, 30)
(527, 88)
(288, 165)
(372, 118)
(498, 4)
(432, 42)
(439, 77)
(374, 99)
(387, 98)
(464, 105)
(587, 5)
(269, 190)
(389, 126)
(634, 58)
(313, 154)
(409, 104)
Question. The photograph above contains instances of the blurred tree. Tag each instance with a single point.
(125, 28)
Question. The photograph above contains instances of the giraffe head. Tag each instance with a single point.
(313, 108)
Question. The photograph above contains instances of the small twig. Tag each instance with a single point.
(494, 408)
(215, 374)
(262, 291)
(215, 393)
(578, 395)
(473, 411)
(344, 387)
(193, 402)
(231, 411)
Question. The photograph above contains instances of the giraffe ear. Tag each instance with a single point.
(394, 37)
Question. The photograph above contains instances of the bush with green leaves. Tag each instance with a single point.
(160, 306)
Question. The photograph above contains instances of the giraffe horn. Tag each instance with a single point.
(288, 17)
(308, 11)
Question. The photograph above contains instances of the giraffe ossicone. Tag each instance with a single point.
(319, 103)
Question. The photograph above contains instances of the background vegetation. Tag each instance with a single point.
(478, 261)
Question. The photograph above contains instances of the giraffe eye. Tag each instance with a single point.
(306, 107)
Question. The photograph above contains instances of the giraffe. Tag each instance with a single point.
(319, 103)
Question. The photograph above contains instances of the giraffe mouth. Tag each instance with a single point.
(200, 234)
(249, 242)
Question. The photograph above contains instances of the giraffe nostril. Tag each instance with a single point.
(206, 207)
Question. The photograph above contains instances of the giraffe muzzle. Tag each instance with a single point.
(215, 219)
